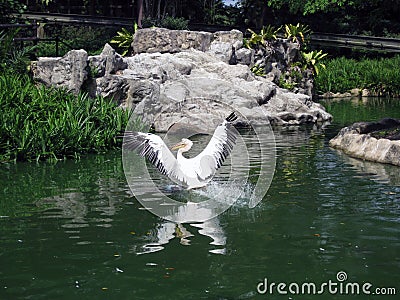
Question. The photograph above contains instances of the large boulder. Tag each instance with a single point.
(361, 140)
(193, 81)
(222, 43)
(164, 87)
(69, 71)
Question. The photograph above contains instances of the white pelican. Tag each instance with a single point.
(193, 172)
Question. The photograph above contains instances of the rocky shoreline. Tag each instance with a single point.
(182, 73)
(373, 141)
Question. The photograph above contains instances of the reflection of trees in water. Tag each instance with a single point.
(66, 189)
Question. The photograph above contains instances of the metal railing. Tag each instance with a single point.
(317, 39)
(356, 41)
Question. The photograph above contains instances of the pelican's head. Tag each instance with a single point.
(184, 144)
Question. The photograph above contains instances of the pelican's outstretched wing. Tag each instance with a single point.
(217, 150)
(154, 149)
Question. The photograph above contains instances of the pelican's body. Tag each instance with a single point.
(193, 172)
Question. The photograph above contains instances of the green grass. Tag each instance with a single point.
(381, 76)
(47, 123)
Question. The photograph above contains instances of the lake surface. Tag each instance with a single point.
(73, 230)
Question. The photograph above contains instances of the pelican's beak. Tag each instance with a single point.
(178, 146)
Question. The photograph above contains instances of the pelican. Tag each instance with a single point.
(193, 172)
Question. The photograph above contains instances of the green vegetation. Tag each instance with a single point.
(297, 33)
(267, 34)
(313, 61)
(380, 76)
(90, 38)
(375, 17)
(48, 123)
(12, 58)
(173, 23)
(123, 40)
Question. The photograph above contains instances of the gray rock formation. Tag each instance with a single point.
(358, 141)
(278, 60)
(221, 44)
(68, 72)
(192, 82)
(163, 87)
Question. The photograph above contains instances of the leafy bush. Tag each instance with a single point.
(41, 123)
(167, 22)
(297, 33)
(9, 7)
(124, 39)
(12, 58)
(174, 23)
(267, 34)
(378, 75)
(313, 60)
(90, 38)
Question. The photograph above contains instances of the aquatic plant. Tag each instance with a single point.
(380, 76)
(41, 123)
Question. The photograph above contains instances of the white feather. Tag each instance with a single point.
(192, 172)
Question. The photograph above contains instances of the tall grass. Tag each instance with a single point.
(40, 123)
(381, 76)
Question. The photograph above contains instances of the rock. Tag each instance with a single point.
(127, 92)
(222, 44)
(295, 109)
(69, 71)
(366, 93)
(330, 95)
(108, 62)
(197, 86)
(152, 40)
(202, 83)
(355, 92)
(357, 141)
(245, 56)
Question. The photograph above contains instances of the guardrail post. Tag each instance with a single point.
(57, 44)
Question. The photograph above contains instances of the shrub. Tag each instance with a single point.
(12, 58)
(174, 23)
(41, 123)
(378, 75)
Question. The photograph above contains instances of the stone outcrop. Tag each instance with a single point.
(68, 72)
(361, 141)
(222, 43)
(279, 61)
(190, 77)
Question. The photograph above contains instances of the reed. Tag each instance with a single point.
(47, 123)
(380, 76)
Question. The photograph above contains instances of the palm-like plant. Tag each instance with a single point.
(313, 60)
(297, 33)
(124, 39)
(267, 34)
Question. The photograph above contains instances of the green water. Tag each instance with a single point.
(73, 230)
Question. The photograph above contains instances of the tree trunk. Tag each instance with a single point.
(159, 10)
(140, 14)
